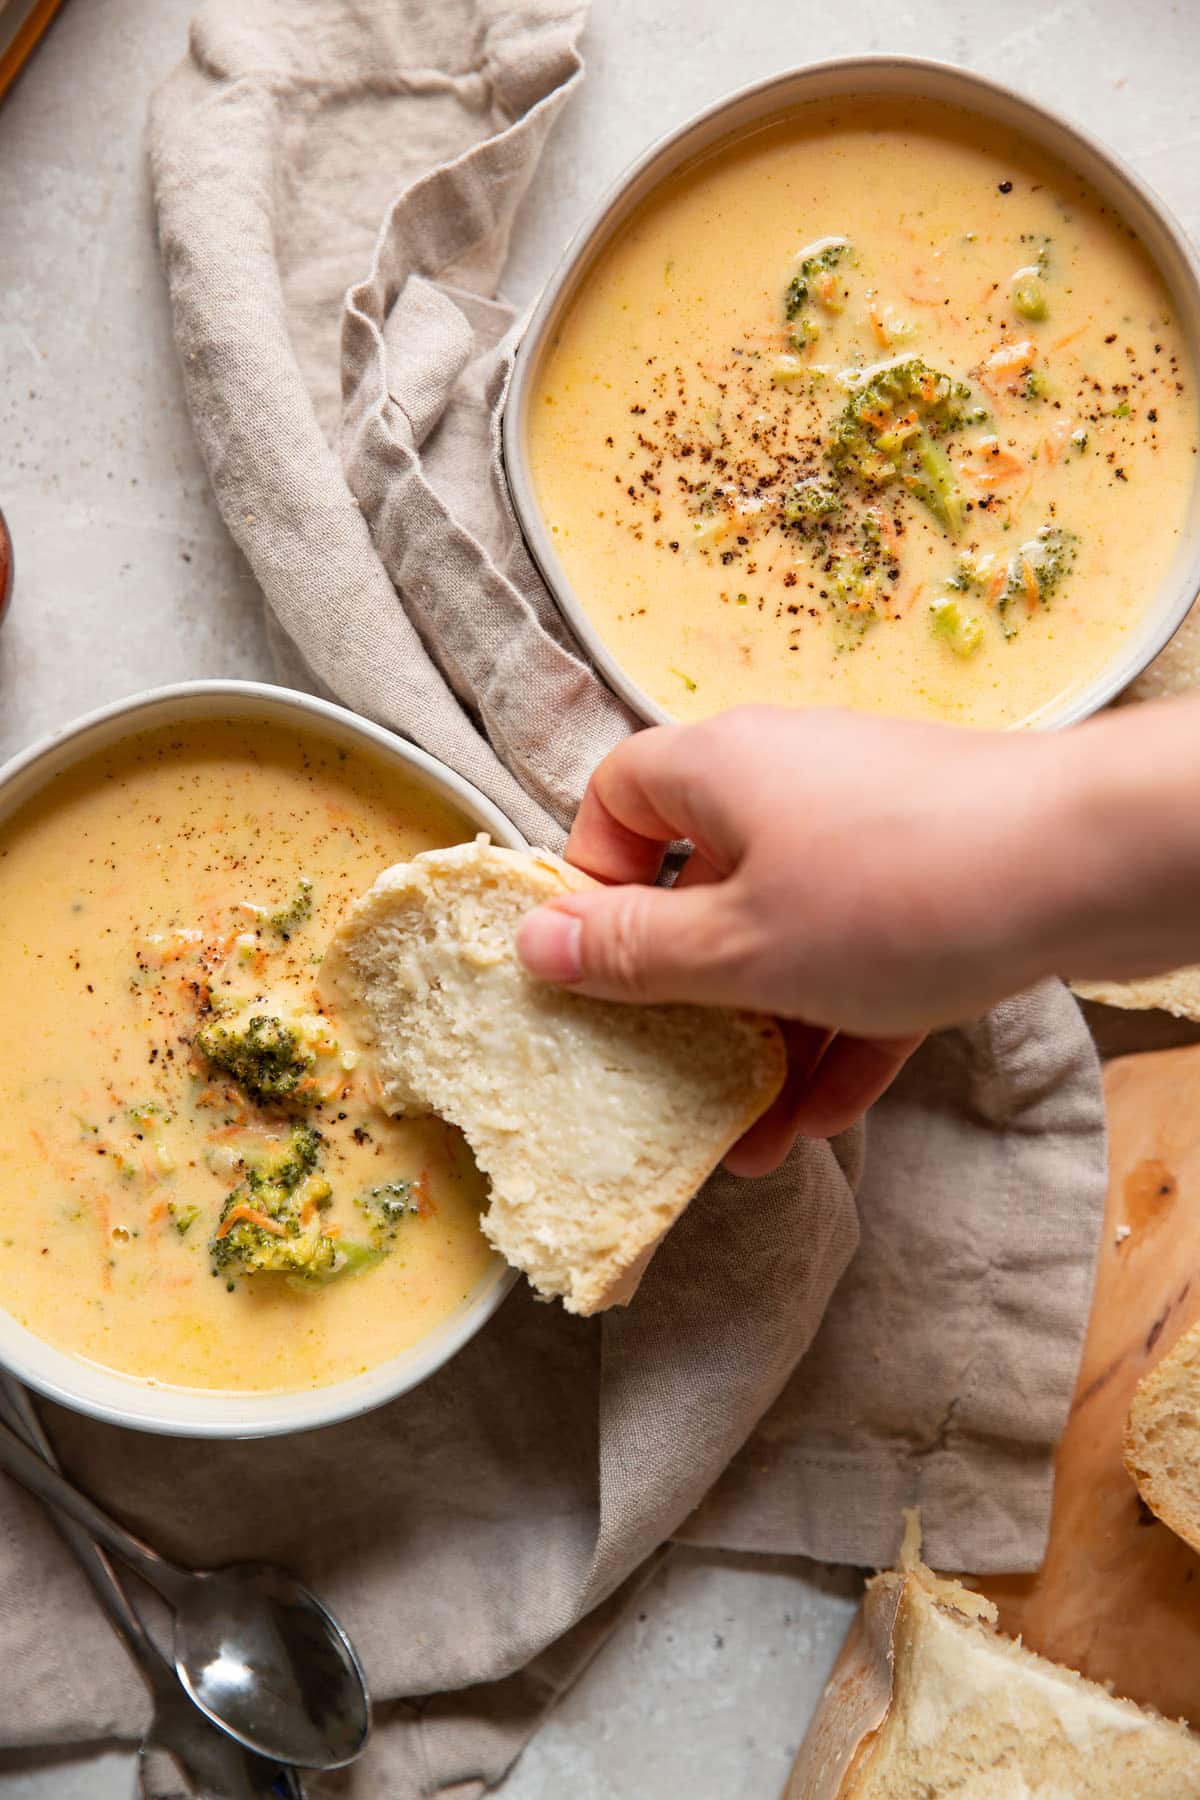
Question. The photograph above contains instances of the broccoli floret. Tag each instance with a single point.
(253, 1240)
(1038, 568)
(386, 1207)
(271, 1224)
(962, 631)
(889, 431)
(262, 1230)
(810, 284)
(965, 576)
(290, 918)
(288, 1166)
(264, 1056)
(852, 590)
(1029, 296)
(811, 504)
(182, 1217)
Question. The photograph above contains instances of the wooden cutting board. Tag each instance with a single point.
(1118, 1596)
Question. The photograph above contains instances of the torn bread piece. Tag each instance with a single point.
(1162, 1438)
(1177, 992)
(595, 1122)
(929, 1700)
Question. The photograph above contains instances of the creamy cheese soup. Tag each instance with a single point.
(877, 407)
(200, 1187)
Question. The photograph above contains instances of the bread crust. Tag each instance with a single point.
(1177, 992)
(1154, 1396)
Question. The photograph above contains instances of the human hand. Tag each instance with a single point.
(854, 875)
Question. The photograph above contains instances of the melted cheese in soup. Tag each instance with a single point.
(877, 406)
(200, 1187)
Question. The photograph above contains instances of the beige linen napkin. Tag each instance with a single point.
(480, 1535)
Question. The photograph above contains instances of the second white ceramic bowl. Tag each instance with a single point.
(194, 1412)
(1164, 241)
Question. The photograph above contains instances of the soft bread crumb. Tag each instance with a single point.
(1162, 1438)
(975, 1715)
(595, 1122)
(928, 1701)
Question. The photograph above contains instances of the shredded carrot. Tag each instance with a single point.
(878, 326)
(1057, 439)
(995, 586)
(1002, 369)
(331, 1231)
(827, 287)
(254, 1216)
(224, 1134)
(911, 600)
(992, 465)
(426, 1204)
(1029, 582)
(157, 1211)
(1062, 342)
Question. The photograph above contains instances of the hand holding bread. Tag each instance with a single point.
(595, 1122)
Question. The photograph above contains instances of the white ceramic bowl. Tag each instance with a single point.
(193, 1412)
(1163, 238)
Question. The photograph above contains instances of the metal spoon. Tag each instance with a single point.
(181, 1753)
(254, 1648)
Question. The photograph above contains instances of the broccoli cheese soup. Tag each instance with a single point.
(875, 406)
(201, 1186)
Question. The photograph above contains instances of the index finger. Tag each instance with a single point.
(656, 786)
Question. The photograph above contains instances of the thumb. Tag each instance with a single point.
(641, 943)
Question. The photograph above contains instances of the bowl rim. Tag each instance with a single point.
(757, 102)
(140, 1403)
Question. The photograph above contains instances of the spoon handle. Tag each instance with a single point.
(27, 1467)
(17, 1405)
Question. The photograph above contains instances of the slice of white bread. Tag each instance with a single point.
(1162, 1438)
(595, 1122)
(929, 1700)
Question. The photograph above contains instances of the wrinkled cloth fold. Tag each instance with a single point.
(335, 184)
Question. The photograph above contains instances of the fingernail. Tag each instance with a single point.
(548, 943)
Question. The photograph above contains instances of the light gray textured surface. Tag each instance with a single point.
(127, 578)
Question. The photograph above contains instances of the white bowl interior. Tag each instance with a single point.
(193, 1412)
(1161, 236)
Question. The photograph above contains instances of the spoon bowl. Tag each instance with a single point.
(254, 1648)
(260, 1656)
(182, 1753)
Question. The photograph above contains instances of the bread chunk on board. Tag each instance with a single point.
(1118, 1594)
(595, 1122)
(928, 1699)
(1162, 1439)
(1177, 993)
